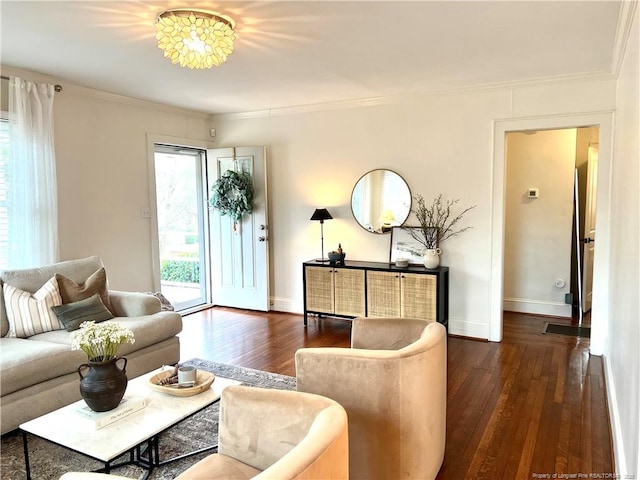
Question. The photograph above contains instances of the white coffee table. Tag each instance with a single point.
(129, 434)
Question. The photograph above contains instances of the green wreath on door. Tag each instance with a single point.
(232, 194)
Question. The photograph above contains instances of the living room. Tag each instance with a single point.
(444, 141)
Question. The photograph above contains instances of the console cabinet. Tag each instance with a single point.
(335, 291)
(372, 289)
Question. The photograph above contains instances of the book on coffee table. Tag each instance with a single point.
(128, 405)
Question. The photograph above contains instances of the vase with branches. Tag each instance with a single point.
(437, 222)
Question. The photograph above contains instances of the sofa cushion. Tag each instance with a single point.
(27, 362)
(71, 292)
(91, 309)
(30, 314)
(147, 330)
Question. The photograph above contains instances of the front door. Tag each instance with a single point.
(239, 251)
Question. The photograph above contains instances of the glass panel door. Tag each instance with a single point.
(181, 225)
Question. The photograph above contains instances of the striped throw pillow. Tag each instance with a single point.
(29, 314)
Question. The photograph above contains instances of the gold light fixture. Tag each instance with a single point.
(195, 38)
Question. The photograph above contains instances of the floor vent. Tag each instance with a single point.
(570, 330)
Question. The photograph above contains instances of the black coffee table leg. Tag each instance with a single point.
(26, 455)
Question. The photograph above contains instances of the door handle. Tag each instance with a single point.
(588, 240)
(262, 238)
(263, 227)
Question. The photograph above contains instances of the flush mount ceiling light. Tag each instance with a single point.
(195, 38)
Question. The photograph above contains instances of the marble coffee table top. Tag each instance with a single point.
(65, 427)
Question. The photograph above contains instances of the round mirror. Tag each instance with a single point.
(380, 200)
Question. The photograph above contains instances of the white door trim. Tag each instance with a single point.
(600, 308)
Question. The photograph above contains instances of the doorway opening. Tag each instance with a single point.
(549, 229)
(602, 268)
(200, 257)
(182, 232)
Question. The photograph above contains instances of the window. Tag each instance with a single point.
(4, 161)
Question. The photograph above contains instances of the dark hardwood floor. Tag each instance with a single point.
(531, 406)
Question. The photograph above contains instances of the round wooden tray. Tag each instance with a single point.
(203, 382)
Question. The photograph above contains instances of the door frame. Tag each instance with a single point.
(600, 308)
(152, 139)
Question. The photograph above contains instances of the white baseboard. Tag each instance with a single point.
(464, 328)
(457, 326)
(536, 307)
(614, 419)
(285, 305)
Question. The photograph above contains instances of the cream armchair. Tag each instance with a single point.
(271, 434)
(392, 383)
(275, 434)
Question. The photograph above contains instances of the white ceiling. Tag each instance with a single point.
(309, 52)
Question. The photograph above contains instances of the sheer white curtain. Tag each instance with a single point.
(32, 200)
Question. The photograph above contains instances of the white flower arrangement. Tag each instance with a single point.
(100, 341)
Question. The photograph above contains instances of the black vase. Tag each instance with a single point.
(104, 384)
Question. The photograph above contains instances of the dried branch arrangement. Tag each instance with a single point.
(437, 221)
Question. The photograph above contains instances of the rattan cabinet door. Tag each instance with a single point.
(319, 289)
(349, 292)
(383, 294)
(419, 295)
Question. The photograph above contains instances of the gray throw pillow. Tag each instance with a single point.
(71, 315)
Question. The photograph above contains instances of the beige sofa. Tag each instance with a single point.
(393, 384)
(38, 374)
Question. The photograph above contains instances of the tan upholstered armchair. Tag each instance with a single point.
(392, 383)
(276, 434)
(271, 434)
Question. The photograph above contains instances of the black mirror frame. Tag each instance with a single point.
(354, 189)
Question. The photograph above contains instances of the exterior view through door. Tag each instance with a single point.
(180, 209)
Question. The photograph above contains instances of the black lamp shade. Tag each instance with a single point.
(321, 214)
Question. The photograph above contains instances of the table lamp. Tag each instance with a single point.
(321, 214)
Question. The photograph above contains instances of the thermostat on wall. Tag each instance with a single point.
(533, 193)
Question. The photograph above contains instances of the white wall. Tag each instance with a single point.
(622, 357)
(103, 182)
(438, 143)
(538, 231)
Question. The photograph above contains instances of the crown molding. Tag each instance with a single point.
(385, 100)
(310, 108)
(623, 31)
(69, 87)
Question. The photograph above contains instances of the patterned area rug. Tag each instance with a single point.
(50, 461)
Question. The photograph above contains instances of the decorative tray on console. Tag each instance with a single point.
(203, 382)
